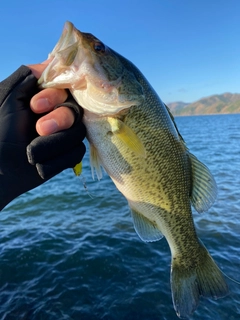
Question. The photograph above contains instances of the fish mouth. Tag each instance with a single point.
(60, 69)
(65, 38)
(92, 72)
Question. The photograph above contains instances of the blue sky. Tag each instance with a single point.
(187, 49)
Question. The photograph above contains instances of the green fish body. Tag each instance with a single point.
(133, 136)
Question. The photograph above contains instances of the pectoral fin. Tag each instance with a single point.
(126, 135)
(146, 229)
(204, 188)
(95, 162)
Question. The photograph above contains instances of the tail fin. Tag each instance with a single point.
(189, 284)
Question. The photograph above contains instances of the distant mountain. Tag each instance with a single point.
(177, 106)
(215, 104)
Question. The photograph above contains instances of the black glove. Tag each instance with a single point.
(20, 143)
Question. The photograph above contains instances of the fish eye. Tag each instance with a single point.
(99, 47)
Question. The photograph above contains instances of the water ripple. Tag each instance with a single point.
(69, 251)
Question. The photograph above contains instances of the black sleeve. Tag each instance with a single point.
(26, 159)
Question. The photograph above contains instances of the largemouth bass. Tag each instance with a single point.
(133, 136)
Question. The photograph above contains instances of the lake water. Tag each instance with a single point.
(68, 249)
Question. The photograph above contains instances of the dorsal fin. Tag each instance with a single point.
(204, 187)
(175, 125)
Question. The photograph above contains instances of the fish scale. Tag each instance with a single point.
(133, 136)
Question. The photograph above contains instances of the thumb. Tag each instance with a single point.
(37, 69)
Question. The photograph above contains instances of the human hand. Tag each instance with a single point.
(48, 154)
(45, 101)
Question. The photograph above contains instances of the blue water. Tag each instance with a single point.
(69, 251)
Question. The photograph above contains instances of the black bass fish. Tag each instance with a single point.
(133, 136)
